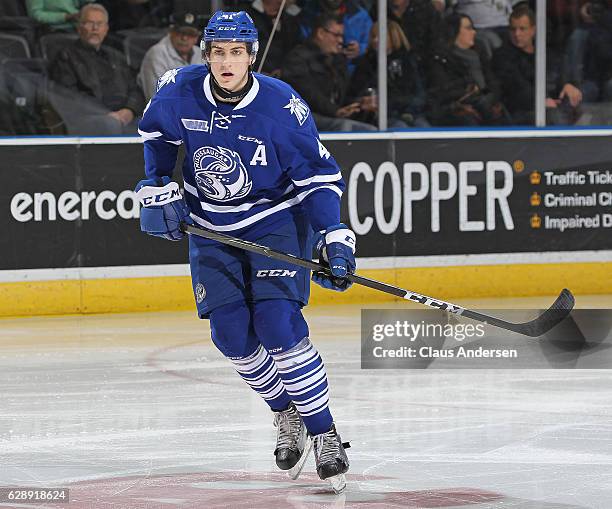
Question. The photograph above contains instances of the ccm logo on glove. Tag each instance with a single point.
(164, 208)
(157, 196)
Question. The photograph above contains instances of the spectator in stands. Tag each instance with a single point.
(405, 86)
(490, 20)
(177, 49)
(514, 65)
(463, 90)
(55, 15)
(592, 15)
(439, 5)
(356, 20)
(130, 14)
(421, 23)
(286, 37)
(597, 55)
(95, 90)
(318, 70)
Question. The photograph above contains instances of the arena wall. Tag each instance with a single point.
(449, 214)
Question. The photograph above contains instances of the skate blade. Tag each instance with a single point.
(295, 472)
(338, 483)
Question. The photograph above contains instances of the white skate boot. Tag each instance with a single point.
(330, 458)
(292, 442)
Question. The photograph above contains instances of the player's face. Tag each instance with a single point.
(522, 32)
(229, 63)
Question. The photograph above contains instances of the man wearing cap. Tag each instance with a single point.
(177, 49)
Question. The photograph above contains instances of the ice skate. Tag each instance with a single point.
(295, 472)
(292, 442)
(331, 460)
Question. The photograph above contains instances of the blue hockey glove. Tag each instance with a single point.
(336, 248)
(163, 208)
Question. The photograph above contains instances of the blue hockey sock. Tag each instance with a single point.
(303, 374)
(259, 371)
(233, 335)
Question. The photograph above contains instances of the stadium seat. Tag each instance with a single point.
(23, 91)
(16, 23)
(51, 44)
(13, 46)
(12, 8)
(14, 20)
(135, 45)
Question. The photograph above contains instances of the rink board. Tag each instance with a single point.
(164, 293)
(450, 214)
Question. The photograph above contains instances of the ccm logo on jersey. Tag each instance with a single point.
(248, 138)
(276, 273)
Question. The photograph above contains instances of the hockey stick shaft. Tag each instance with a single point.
(542, 324)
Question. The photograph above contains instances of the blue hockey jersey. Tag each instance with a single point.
(248, 166)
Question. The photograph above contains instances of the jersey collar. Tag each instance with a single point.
(246, 100)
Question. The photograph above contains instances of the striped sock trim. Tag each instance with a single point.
(259, 371)
(304, 377)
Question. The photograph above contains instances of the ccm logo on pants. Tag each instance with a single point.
(276, 273)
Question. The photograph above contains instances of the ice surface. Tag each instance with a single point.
(141, 411)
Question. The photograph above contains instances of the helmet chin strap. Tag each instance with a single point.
(225, 95)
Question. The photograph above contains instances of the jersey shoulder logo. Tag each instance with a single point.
(298, 108)
(167, 77)
(220, 173)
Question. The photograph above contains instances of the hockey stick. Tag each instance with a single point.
(537, 327)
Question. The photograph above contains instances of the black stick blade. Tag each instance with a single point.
(555, 314)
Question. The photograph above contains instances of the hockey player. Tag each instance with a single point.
(255, 168)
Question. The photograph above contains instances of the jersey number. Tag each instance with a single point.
(259, 157)
(323, 152)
